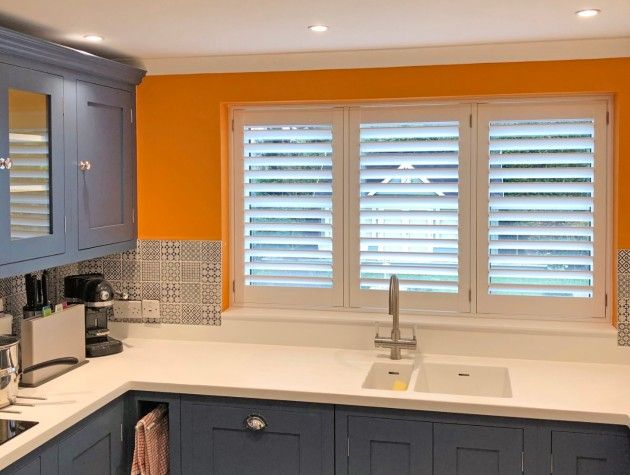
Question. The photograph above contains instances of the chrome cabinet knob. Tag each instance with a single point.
(5, 164)
(84, 165)
(255, 423)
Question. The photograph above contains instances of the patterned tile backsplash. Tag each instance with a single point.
(623, 297)
(185, 276)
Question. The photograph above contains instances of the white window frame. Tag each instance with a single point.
(293, 296)
(552, 306)
(470, 297)
(426, 301)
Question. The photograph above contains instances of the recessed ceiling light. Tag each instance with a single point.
(93, 38)
(589, 12)
(318, 28)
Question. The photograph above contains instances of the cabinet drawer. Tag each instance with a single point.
(245, 438)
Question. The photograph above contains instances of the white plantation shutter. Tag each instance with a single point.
(288, 206)
(30, 183)
(542, 180)
(406, 201)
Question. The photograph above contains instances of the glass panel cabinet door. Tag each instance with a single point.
(31, 165)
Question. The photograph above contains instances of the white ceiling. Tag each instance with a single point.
(184, 28)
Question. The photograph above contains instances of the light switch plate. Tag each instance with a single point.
(151, 310)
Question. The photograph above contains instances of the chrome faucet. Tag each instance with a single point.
(395, 343)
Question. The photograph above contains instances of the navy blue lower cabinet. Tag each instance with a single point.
(95, 447)
(389, 446)
(245, 437)
(576, 453)
(475, 450)
(42, 462)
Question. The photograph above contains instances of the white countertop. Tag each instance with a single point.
(541, 389)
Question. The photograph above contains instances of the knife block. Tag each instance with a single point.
(58, 335)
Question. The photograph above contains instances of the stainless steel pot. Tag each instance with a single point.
(10, 372)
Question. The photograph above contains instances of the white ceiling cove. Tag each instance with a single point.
(150, 29)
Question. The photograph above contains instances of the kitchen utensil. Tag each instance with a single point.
(11, 373)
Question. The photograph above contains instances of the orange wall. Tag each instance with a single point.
(182, 126)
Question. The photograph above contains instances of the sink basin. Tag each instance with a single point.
(392, 376)
(469, 380)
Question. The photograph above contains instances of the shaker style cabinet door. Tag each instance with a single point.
(32, 167)
(389, 446)
(474, 450)
(256, 438)
(106, 165)
(96, 447)
(577, 453)
(43, 462)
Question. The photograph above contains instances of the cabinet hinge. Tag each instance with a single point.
(470, 121)
(348, 448)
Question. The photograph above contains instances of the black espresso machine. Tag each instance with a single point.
(93, 291)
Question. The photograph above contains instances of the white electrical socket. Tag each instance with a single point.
(151, 310)
(131, 309)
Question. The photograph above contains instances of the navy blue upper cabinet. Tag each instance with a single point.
(106, 161)
(32, 172)
(243, 437)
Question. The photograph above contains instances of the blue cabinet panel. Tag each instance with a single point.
(96, 446)
(473, 450)
(294, 439)
(32, 191)
(387, 446)
(106, 179)
(577, 453)
(42, 462)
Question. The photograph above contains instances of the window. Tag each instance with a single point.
(505, 214)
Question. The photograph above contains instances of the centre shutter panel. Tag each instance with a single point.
(410, 206)
(542, 209)
(288, 207)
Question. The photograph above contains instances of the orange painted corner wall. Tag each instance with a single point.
(183, 133)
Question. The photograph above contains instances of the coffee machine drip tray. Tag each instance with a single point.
(102, 346)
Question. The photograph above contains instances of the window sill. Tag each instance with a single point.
(603, 329)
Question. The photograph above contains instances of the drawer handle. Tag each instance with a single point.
(255, 423)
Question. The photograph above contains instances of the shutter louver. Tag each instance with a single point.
(408, 217)
(288, 187)
(29, 183)
(541, 207)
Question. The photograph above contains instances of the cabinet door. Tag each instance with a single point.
(31, 165)
(387, 446)
(590, 454)
(294, 440)
(475, 450)
(44, 462)
(106, 176)
(96, 447)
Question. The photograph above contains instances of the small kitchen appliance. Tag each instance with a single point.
(93, 291)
